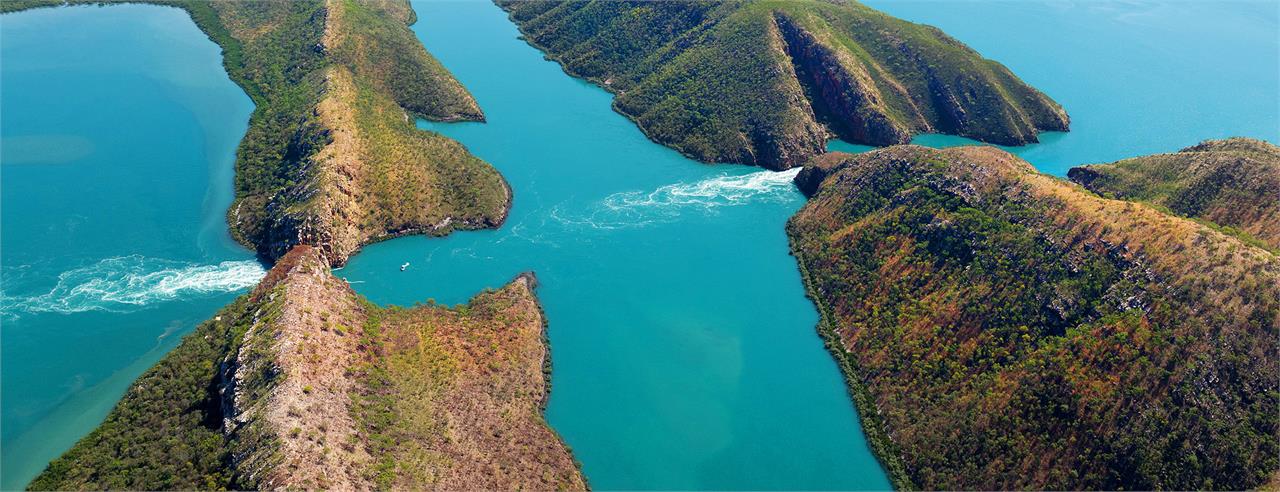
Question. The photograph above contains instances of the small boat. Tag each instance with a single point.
(404, 266)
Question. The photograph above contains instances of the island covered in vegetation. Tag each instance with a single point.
(1004, 329)
(768, 82)
(998, 328)
(303, 384)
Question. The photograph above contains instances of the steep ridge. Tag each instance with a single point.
(1003, 329)
(1233, 183)
(769, 82)
(331, 157)
(302, 384)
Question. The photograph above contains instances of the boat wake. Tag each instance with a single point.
(665, 204)
(129, 283)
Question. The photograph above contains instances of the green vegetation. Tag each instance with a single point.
(444, 395)
(768, 82)
(297, 181)
(1233, 183)
(167, 431)
(1002, 329)
(16, 5)
(269, 395)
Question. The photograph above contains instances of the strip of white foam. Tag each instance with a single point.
(131, 282)
(637, 208)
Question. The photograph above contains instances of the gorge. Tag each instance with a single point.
(673, 308)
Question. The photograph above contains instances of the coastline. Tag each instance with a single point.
(882, 446)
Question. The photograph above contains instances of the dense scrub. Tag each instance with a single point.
(319, 69)
(1234, 183)
(304, 384)
(167, 432)
(443, 389)
(1003, 329)
(768, 82)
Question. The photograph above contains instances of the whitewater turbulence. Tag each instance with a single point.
(665, 204)
(132, 282)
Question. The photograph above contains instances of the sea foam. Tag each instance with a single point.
(666, 203)
(129, 283)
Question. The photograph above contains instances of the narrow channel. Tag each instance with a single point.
(685, 353)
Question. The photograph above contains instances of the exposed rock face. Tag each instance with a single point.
(1233, 182)
(810, 178)
(313, 387)
(768, 83)
(1003, 329)
(842, 91)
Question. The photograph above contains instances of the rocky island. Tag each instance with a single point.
(769, 82)
(1233, 183)
(303, 384)
(1004, 329)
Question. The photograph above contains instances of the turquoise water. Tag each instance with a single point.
(684, 351)
(1137, 77)
(117, 136)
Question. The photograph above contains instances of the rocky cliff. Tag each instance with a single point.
(1233, 183)
(1003, 329)
(768, 83)
(302, 384)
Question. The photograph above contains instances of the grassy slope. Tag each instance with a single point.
(1005, 329)
(303, 384)
(403, 180)
(1234, 183)
(167, 431)
(377, 175)
(766, 82)
(444, 389)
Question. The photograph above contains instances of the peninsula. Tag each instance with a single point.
(768, 82)
(332, 157)
(1004, 329)
(303, 384)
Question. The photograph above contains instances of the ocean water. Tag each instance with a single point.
(1137, 77)
(684, 351)
(685, 354)
(118, 128)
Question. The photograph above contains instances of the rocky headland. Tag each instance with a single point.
(769, 82)
(303, 384)
(331, 157)
(1004, 329)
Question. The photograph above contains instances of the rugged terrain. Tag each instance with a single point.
(1004, 329)
(769, 82)
(1234, 183)
(302, 384)
(332, 157)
